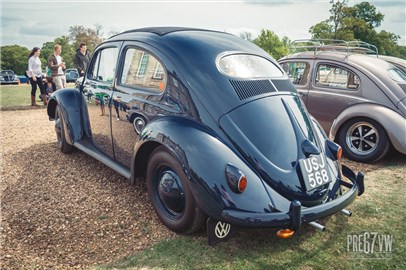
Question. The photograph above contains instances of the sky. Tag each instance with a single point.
(31, 23)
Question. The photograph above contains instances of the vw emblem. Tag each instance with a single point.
(222, 229)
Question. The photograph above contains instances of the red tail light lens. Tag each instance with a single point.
(236, 179)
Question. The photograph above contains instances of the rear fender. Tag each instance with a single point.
(393, 123)
(203, 157)
(74, 111)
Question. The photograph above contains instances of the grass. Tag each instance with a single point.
(15, 96)
(380, 210)
(18, 96)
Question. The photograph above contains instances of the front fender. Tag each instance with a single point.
(74, 111)
(393, 123)
(203, 157)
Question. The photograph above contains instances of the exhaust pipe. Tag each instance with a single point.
(346, 212)
(318, 226)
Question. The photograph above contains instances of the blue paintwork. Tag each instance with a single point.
(201, 120)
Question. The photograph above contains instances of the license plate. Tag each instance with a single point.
(315, 172)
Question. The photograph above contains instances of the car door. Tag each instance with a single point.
(299, 74)
(137, 97)
(334, 87)
(98, 88)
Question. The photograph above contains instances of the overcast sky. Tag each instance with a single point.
(32, 23)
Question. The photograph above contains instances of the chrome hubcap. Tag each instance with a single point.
(362, 138)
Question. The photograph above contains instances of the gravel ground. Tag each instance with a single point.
(65, 211)
(70, 211)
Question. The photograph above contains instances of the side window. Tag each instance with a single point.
(142, 70)
(104, 66)
(298, 72)
(336, 77)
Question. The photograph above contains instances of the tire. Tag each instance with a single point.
(359, 147)
(63, 145)
(170, 194)
(139, 123)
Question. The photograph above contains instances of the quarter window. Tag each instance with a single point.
(298, 72)
(103, 68)
(142, 70)
(336, 77)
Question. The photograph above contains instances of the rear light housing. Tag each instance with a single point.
(237, 181)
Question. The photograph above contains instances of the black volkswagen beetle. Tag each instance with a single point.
(221, 133)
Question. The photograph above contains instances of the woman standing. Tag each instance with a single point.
(35, 75)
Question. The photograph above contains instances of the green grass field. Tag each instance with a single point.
(18, 96)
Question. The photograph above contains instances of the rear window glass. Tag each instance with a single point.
(246, 66)
(397, 74)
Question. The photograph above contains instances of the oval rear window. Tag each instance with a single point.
(246, 66)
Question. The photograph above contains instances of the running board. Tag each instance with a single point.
(89, 148)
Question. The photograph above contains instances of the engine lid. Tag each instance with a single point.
(275, 134)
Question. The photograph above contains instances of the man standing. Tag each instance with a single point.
(82, 59)
(57, 65)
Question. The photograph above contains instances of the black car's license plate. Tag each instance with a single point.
(315, 172)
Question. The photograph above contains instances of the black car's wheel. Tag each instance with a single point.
(363, 140)
(170, 194)
(138, 123)
(60, 132)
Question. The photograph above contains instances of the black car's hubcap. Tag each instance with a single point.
(170, 192)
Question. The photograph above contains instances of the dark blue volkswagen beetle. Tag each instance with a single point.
(213, 124)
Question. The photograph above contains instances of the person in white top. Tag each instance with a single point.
(57, 66)
(35, 74)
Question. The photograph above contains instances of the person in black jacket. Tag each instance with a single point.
(81, 59)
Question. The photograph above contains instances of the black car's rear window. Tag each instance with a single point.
(246, 66)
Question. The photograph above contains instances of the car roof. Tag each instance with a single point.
(161, 31)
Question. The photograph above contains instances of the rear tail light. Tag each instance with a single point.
(236, 180)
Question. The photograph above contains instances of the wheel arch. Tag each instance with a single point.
(392, 122)
(203, 158)
(73, 108)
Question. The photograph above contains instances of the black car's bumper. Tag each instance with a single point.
(296, 214)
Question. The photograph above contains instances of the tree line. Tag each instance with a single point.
(348, 23)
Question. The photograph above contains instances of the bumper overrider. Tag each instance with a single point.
(298, 214)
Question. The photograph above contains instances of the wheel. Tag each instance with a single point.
(63, 145)
(363, 140)
(170, 195)
(139, 123)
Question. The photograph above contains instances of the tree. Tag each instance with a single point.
(271, 43)
(322, 30)
(357, 23)
(337, 14)
(90, 36)
(14, 57)
(68, 51)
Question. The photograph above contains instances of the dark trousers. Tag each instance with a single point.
(34, 86)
